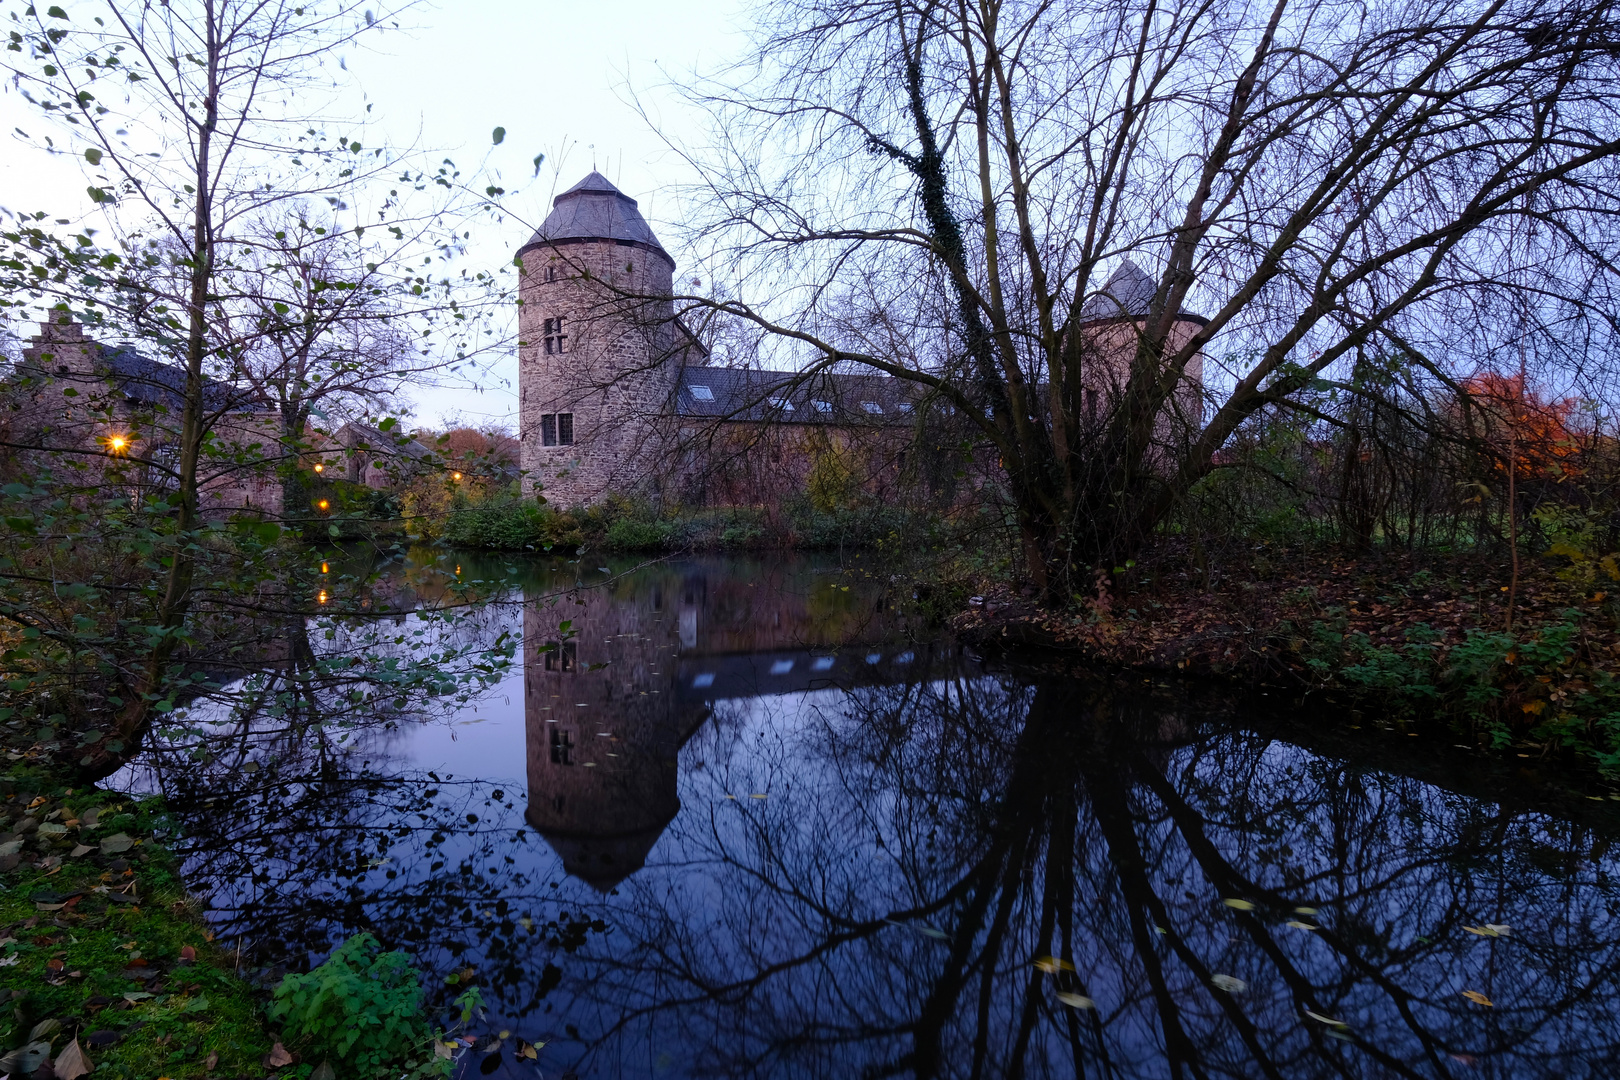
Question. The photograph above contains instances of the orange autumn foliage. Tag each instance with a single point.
(1518, 422)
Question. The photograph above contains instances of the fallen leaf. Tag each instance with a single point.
(1239, 905)
(117, 843)
(277, 1057)
(1328, 1020)
(82, 850)
(1305, 911)
(1488, 930)
(1230, 983)
(1477, 998)
(187, 952)
(527, 1050)
(26, 1060)
(1297, 925)
(1076, 1001)
(210, 1061)
(44, 1029)
(72, 1063)
(324, 1071)
(444, 1050)
(1501, 928)
(1052, 965)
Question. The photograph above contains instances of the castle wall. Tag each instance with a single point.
(612, 374)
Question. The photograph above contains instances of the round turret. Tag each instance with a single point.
(596, 338)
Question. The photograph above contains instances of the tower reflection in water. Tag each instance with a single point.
(617, 678)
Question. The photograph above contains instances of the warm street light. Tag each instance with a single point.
(117, 444)
(455, 476)
(323, 504)
(319, 467)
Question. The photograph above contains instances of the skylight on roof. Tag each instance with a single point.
(701, 393)
(822, 406)
(872, 407)
(782, 403)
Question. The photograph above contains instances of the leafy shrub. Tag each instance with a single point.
(361, 1009)
(630, 535)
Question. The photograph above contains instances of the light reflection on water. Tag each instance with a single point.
(742, 821)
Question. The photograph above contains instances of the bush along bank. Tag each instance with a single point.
(107, 966)
(1410, 642)
(505, 522)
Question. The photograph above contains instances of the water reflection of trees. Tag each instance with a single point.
(879, 912)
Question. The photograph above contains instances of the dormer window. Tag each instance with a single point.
(782, 403)
(556, 340)
(822, 406)
(904, 406)
(872, 407)
(700, 393)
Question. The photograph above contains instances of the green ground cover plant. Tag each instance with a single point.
(361, 1012)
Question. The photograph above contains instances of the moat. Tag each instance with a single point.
(739, 818)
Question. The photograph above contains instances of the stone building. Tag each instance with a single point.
(616, 396)
(70, 392)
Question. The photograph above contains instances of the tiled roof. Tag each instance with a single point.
(152, 382)
(1127, 292)
(594, 209)
(790, 397)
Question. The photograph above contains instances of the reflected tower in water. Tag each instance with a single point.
(604, 727)
(610, 701)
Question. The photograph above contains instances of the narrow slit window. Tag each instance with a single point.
(548, 429)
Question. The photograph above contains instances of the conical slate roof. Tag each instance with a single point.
(1128, 292)
(594, 209)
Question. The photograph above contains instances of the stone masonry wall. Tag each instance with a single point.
(615, 378)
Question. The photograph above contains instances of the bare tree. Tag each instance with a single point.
(1310, 178)
(204, 122)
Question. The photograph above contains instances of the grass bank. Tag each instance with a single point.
(108, 968)
(1407, 642)
(102, 952)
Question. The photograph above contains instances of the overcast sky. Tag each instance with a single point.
(555, 75)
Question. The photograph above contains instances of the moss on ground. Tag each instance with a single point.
(102, 939)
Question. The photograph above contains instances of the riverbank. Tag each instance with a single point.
(1421, 641)
(106, 961)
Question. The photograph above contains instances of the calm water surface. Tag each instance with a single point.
(742, 819)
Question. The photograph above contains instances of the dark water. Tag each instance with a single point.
(747, 822)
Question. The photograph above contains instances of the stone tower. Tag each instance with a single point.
(597, 343)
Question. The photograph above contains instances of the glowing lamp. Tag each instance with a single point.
(323, 568)
(320, 468)
(323, 504)
(321, 599)
(455, 476)
(117, 443)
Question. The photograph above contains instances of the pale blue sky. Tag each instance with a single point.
(555, 75)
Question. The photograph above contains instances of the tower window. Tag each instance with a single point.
(556, 340)
(562, 746)
(561, 656)
(557, 429)
(551, 273)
